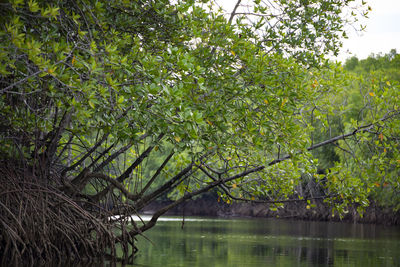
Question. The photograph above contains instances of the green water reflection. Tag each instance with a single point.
(268, 242)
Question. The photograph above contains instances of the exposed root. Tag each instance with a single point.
(40, 224)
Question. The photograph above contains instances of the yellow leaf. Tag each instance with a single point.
(177, 138)
(209, 122)
(308, 207)
(377, 184)
(371, 93)
(381, 136)
(233, 53)
(388, 83)
(228, 158)
(266, 101)
(234, 186)
(253, 198)
(314, 84)
(73, 60)
(384, 150)
(284, 102)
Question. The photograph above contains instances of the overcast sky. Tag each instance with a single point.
(381, 35)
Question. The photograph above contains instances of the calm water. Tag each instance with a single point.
(267, 242)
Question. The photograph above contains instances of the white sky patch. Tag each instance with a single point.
(381, 35)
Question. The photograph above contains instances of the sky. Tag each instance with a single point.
(382, 31)
(381, 35)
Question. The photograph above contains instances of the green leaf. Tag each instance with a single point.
(121, 99)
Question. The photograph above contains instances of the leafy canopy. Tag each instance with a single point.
(83, 81)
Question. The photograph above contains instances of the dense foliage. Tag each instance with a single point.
(108, 105)
(373, 96)
(368, 101)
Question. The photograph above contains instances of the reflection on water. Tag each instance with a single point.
(267, 242)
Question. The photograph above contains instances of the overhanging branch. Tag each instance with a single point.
(160, 212)
(360, 129)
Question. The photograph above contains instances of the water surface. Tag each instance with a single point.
(267, 242)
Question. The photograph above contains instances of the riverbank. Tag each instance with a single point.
(321, 212)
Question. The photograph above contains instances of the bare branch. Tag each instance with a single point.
(160, 212)
(112, 157)
(114, 182)
(234, 11)
(182, 175)
(128, 171)
(162, 166)
(364, 128)
(89, 153)
(116, 154)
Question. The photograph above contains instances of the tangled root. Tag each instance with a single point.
(41, 224)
